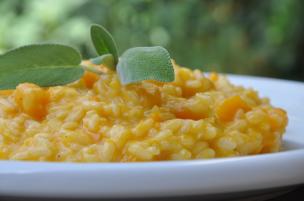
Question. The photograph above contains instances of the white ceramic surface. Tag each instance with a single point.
(157, 179)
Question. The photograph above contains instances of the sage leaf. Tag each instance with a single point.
(103, 42)
(42, 64)
(145, 63)
(106, 59)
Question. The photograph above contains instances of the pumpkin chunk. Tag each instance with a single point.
(89, 79)
(227, 109)
(32, 100)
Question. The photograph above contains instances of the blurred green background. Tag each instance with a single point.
(258, 37)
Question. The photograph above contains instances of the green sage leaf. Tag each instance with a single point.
(145, 63)
(106, 59)
(103, 42)
(42, 64)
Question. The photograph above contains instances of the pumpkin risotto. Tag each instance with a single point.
(96, 119)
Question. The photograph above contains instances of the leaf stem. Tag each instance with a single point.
(91, 69)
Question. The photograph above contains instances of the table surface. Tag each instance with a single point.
(296, 194)
(293, 195)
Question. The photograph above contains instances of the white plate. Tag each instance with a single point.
(160, 179)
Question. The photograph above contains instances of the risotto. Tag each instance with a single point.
(96, 119)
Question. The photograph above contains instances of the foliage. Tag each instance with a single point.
(252, 37)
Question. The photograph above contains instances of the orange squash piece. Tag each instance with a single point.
(89, 79)
(32, 100)
(226, 110)
(275, 124)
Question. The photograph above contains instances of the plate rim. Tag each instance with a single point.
(68, 171)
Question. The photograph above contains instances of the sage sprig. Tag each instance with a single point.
(55, 64)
